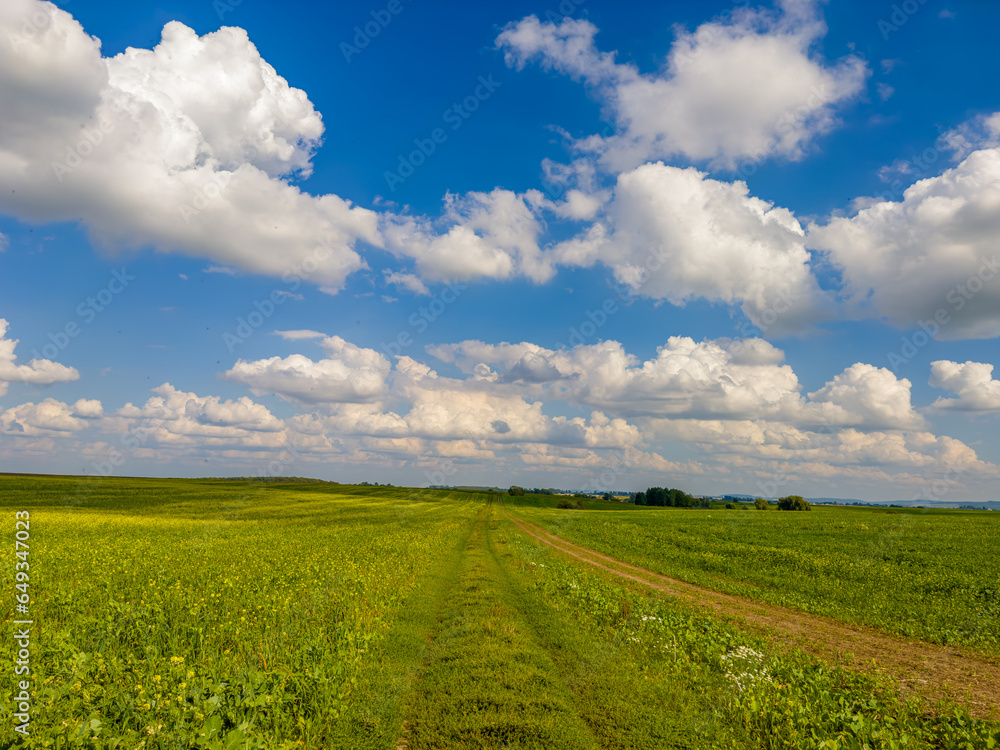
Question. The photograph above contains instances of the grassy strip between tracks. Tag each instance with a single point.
(511, 668)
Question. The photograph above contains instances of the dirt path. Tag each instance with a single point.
(926, 669)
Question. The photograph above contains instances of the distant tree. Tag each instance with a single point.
(705, 503)
(760, 503)
(515, 491)
(680, 499)
(662, 497)
(607, 497)
(793, 502)
(566, 502)
(730, 506)
(656, 496)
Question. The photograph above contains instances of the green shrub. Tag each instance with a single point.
(793, 502)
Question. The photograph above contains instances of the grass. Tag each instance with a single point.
(488, 681)
(198, 614)
(213, 614)
(931, 575)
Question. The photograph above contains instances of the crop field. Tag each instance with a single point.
(214, 614)
(927, 574)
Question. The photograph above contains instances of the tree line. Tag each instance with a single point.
(668, 498)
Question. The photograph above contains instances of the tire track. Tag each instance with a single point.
(924, 669)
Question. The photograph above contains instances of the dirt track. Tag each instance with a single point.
(925, 669)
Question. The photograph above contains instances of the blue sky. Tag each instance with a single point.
(719, 246)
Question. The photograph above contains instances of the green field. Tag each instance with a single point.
(212, 614)
(932, 575)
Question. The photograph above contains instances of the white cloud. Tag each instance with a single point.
(884, 91)
(745, 87)
(735, 406)
(980, 132)
(349, 374)
(676, 234)
(972, 382)
(777, 449)
(202, 415)
(865, 394)
(188, 147)
(726, 379)
(933, 253)
(45, 418)
(36, 371)
(220, 269)
(448, 409)
(484, 235)
(734, 402)
(173, 424)
(407, 281)
(88, 409)
(299, 335)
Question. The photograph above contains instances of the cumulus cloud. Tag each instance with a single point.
(972, 382)
(869, 395)
(765, 445)
(348, 374)
(46, 418)
(676, 234)
(447, 409)
(36, 371)
(480, 235)
(88, 409)
(202, 414)
(189, 147)
(727, 379)
(735, 405)
(746, 86)
(735, 401)
(930, 258)
(173, 423)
